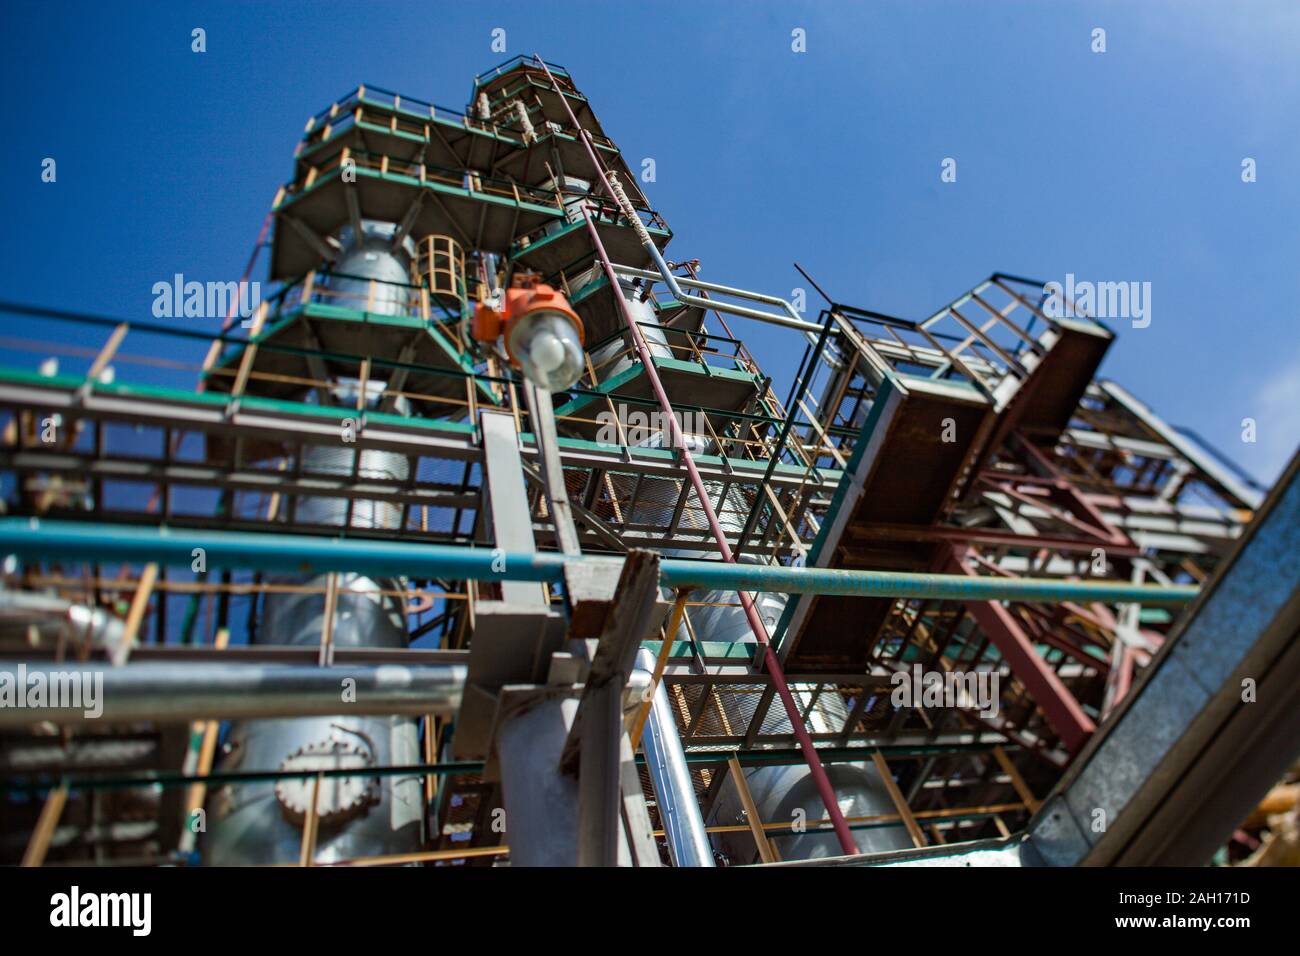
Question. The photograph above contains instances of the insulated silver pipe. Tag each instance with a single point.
(38, 621)
(180, 693)
(679, 810)
(749, 313)
(791, 320)
(711, 287)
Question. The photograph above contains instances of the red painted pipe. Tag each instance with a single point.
(770, 660)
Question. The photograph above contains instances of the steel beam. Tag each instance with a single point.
(1044, 685)
(307, 426)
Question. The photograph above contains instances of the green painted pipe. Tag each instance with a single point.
(34, 539)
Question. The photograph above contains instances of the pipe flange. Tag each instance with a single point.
(341, 797)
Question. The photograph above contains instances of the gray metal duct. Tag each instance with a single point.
(178, 692)
(262, 823)
(679, 808)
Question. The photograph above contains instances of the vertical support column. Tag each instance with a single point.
(598, 738)
(599, 780)
(45, 824)
(542, 415)
(766, 852)
(307, 855)
(568, 773)
(541, 802)
(198, 762)
(512, 524)
(900, 802)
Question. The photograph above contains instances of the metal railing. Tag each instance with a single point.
(472, 181)
(340, 110)
(601, 210)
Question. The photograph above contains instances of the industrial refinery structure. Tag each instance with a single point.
(485, 540)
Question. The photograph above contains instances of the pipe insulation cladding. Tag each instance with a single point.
(670, 776)
(74, 692)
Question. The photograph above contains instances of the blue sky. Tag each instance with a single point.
(1123, 165)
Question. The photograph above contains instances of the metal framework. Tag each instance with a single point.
(1049, 525)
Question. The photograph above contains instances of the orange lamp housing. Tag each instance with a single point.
(486, 324)
(489, 323)
(543, 335)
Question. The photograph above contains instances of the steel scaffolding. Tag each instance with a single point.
(961, 494)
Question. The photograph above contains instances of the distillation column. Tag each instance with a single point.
(779, 792)
(358, 816)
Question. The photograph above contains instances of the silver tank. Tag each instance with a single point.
(573, 197)
(788, 794)
(606, 358)
(372, 257)
(363, 816)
